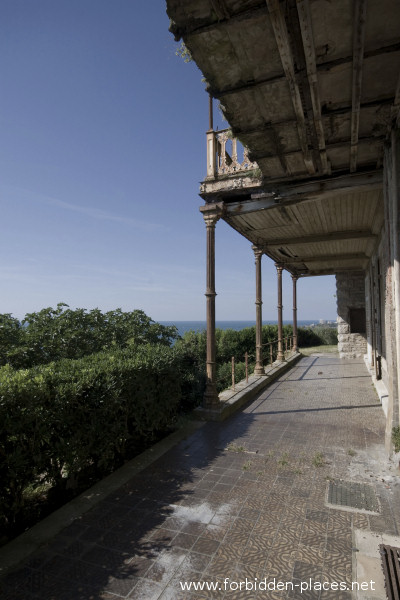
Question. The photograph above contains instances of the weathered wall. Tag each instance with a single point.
(391, 252)
(350, 293)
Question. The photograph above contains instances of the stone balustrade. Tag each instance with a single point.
(222, 155)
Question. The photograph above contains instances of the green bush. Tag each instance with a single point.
(191, 352)
(317, 336)
(71, 418)
(56, 333)
(224, 374)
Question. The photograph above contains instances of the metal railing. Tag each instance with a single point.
(246, 362)
(270, 358)
(272, 352)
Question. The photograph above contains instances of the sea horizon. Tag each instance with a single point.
(184, 326)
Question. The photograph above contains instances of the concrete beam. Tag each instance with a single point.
(284, 47)
(304, 14)
(360, 15)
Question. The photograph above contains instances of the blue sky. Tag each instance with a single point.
(102, 149)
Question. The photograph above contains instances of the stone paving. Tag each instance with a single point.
(241, 499)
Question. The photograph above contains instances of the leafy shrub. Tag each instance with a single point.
(56, 333)
(317, 336)
(224, 374)
(191, 352)
(64, 420)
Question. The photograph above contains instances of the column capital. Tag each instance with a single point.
(258, 251)
(295, 278)
(279, 267)
(212, 213)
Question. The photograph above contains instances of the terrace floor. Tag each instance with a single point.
(246, 498)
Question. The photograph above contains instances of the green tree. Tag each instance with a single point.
(52, 334)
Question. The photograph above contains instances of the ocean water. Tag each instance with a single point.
(184, 326)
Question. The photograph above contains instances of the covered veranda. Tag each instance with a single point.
(311, 88)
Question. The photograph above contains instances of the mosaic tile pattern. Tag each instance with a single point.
(241, 499)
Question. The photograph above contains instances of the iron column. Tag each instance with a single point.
(281, 356)
(211, 214)
(259, 369)
(294, 279)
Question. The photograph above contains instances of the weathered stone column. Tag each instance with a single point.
(211, 214)
(259, 369)
(294, 279)
(281, 356)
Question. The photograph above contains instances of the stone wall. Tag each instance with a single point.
(350, 292)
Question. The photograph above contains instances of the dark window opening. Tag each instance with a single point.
(358, 322)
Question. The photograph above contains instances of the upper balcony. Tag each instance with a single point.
(228, 164)
(226, 155)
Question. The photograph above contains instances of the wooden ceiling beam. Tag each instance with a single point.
(323, 258)
(330, 271)
(326, 237)
(284, 48)
(284, 194)
(338, 144)
(360, 15)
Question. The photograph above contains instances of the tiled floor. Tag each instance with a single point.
(241, 499)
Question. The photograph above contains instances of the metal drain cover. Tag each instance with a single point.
(391, 569)
(353, 495)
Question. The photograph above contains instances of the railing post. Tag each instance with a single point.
(211, 142)
(211, 214)
(233, 373)
(279, 269)
(211, 155)
(271, 354)
(294, 279)
(259, 368)
(246, 362)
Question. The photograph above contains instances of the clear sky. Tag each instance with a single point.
(102, 148)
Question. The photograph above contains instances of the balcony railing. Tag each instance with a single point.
(222, 155)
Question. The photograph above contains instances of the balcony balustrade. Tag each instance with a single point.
(222, 155)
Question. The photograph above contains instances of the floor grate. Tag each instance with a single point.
(351, 494)
(391, 569)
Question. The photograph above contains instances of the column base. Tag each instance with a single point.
(259, 371)
(210, 398)
(280, 357)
